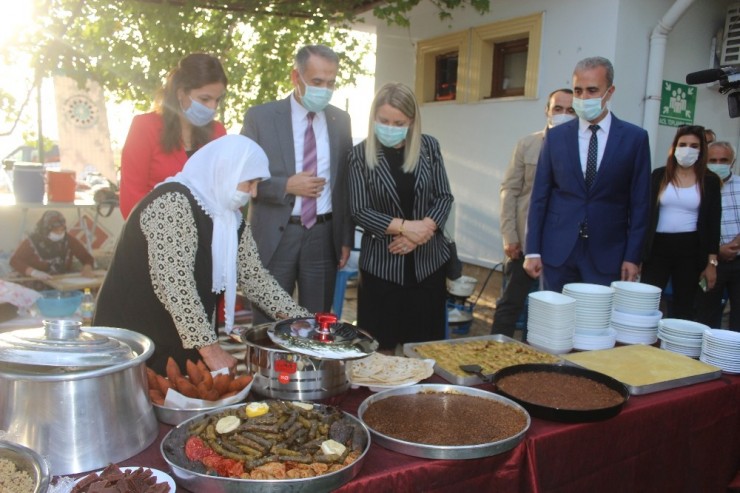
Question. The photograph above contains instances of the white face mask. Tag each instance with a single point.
(686, 156)
(56, 236)
(239, 200)
(555, 120)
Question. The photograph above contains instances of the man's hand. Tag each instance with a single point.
(215, 357)
(304, 184)
(533, 267)
(513, 250)
(344, 257)
(728, 251)
(629, 271)
(87, 271)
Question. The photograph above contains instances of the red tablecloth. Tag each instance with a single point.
(680, 440)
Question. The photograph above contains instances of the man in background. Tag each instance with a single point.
(515, 191)
(721, 161)
(590, 200)
(300, 218)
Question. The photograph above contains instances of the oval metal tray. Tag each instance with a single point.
(565, 415)
(426, 451)
(174, 443)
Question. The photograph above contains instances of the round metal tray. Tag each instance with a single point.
(565, 415)
(426, 451)
(26, 459)
(174, 443)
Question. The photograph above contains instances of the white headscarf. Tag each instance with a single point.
(212, 175)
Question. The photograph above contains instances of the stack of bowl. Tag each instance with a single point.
(593, 315)
(635, 314)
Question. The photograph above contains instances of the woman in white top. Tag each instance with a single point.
(683, 239)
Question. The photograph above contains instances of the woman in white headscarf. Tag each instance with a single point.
(183, 245)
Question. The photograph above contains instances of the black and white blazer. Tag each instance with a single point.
(374, 202)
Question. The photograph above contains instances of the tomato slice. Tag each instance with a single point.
(196, 449)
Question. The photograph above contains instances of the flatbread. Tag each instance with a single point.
(379, 369)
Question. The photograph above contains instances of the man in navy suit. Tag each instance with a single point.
(589, 207)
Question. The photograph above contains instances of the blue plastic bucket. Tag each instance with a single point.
(28, 182)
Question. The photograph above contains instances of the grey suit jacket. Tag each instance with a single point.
(270, 125)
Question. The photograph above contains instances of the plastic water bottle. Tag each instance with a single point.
(87, 308)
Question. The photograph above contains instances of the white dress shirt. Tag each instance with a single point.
(299, 117)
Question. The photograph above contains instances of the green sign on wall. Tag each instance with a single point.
(677, 104)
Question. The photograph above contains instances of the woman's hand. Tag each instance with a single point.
(419, 232)
(401, 245)
(710, 274)
(215, 357)
(87, 271)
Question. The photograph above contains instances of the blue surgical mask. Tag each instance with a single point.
(555, 120)
(199, 114)
(315, 98)
(588, 109)
(390, 136)
(722, 170)
(238, 200)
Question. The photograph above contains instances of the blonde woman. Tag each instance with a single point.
(400, 197)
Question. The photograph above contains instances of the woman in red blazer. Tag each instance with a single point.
(159, 143)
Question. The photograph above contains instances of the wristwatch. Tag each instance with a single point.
(714, 262)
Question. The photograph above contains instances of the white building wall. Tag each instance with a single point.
(478, 138)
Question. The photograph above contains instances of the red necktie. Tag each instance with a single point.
(308, 204)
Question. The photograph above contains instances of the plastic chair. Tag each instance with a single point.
(350, 271)
(343, 276)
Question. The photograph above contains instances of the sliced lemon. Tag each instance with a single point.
(306, 406)
(227, 424)
(255, 409)
(332, 447)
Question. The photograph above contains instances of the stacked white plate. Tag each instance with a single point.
(636, 329)
(593, 304)
(588, 340)
(681, 336)
(721, 348)
(636, 298)
(551, 319)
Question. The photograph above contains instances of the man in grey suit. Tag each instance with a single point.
(300, 217)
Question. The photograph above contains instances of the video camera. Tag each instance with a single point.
(729, 83)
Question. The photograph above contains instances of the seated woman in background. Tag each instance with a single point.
(49, 250)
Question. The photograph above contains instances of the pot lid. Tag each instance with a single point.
(63, 343)
(322, 336)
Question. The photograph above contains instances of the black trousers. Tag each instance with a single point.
(676, 256)
(709, 309)
(509, 307)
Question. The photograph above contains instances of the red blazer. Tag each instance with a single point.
(143, 162)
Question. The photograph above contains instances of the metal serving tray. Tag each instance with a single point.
(426, 451)
(645, 369)
(172, 449)
(409, 349)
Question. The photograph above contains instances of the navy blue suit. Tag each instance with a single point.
(615, 209)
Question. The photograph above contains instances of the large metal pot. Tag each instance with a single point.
(79, 398)
(281, 374)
